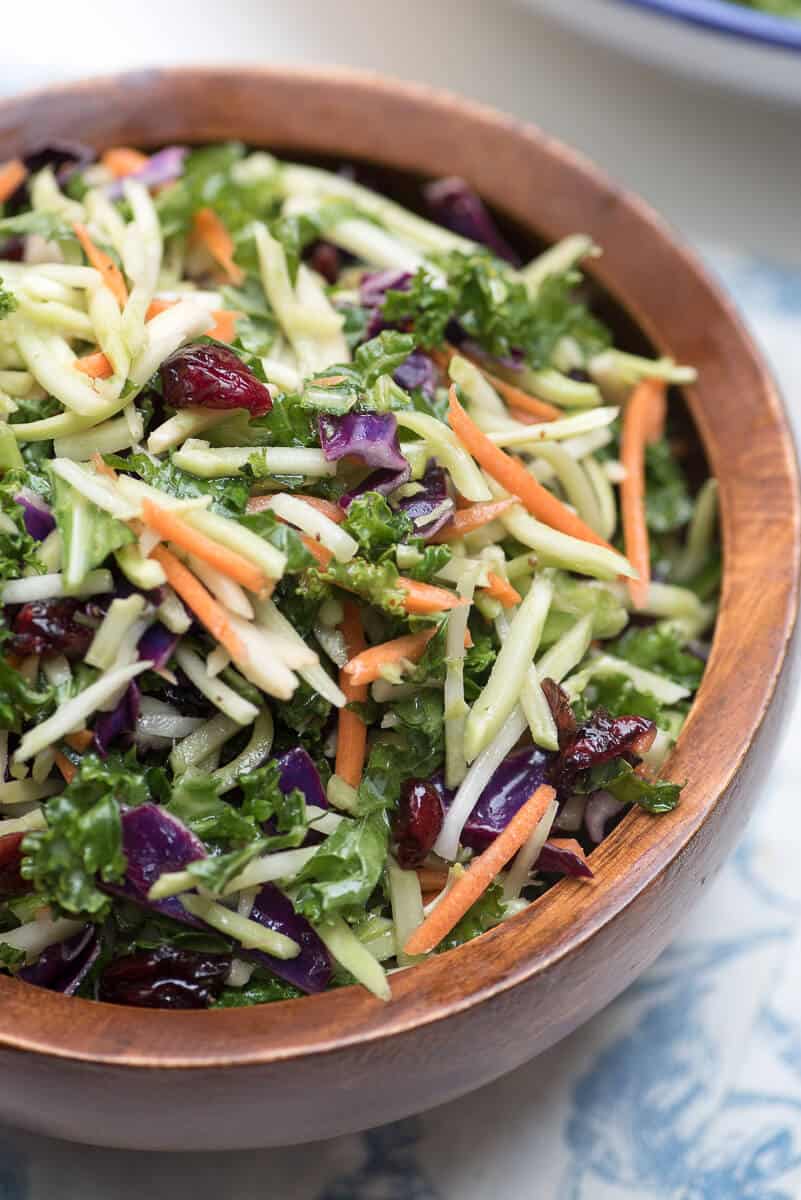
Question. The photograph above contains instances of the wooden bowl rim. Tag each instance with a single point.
(101, 1033)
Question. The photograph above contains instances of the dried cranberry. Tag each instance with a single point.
(603, 738)
(11, 881)
(600, 740)
(417, 823)
(50, 627)
(212, 377)
(12, 249)
(324, 258)
(165, 978)
(562, 713)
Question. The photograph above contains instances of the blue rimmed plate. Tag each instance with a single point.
(714, 41)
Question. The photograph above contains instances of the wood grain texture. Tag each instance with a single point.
(327, 1064)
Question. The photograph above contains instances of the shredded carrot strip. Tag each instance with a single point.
(96, 365)
(122, 161)
(158, 306)
(512, 475)
(480, 874)
(80, 740)
(101, 467)
(202, 604)
(366, 667)
(525, 418)
(225, 319)
(637, 421)
(13, 172)
(227, 561)
(102, 262)
(431, 879)
(210, 230)
(327, 381)
(514, 396)
(332, 511)
(315, 548)
(424, 598)
(352, 731)
(224, 327)
(501, 589)
(657, 415)
(468, 520)
(64, 765)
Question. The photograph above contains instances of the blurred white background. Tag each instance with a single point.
(722, 167)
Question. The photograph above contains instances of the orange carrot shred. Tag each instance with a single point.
(64, 765)
(122, 161)
(366, 666)
(513, 396)
(210, 230)
(102, 262)
(96, 365)
(332, 511)
(80, 740)
(172, 527)
(351, 731)
(468, 520)
(327, 381)
(225, 319)
(512, 475)
(101, 467)
(201, 602)
(424, 598)
(480, 874)
(317, 550)
(500, 589)
(158, 306)
(637, 421)
(657, 416)
(432, 879)
(13, 172)
(525, 418)
(224, 327)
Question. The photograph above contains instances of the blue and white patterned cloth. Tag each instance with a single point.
(688, 1087)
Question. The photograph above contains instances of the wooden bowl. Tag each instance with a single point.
(343, 1061)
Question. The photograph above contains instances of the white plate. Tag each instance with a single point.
(710, 40)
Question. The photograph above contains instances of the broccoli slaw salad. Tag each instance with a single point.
(354, 584)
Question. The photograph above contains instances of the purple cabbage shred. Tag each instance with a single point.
(455, 205)
(36, 515)
(121, 721)
(63, 966)
(164, 166)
